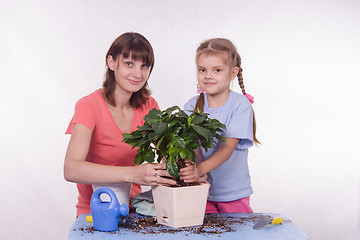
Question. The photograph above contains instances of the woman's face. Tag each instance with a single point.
(130, 75)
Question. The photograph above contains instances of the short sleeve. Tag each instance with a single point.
(84, 114)
(190, 105)
(152, 103)
(241, 126)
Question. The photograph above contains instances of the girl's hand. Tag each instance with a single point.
(191, 174)
(151, 174)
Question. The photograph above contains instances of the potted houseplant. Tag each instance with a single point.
(173, 136)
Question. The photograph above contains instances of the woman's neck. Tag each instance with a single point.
(122, 98)
(217, 100)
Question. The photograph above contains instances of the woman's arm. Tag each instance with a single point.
(77, 170)
(218, 158)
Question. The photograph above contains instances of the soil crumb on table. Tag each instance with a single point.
(213, 224)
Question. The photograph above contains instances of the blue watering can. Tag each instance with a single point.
(106, 215)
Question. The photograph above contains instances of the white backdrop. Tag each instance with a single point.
(301, 62)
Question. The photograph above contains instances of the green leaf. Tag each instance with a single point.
(144, 128)
(172, 109)
(179, 142)
(172, 123)
(126, 136)
(153, 115)
(159, 142)
(173, 151)
(133, 143)
(160, 156)
(197, 119)
(133, 138)
(172, 167)
(138, 159)
(183, 153)
(177, 130)
(159, 127)
(221, 138)
(149, 156)
(206, 133)
(194, 145)
(143, 142)
(152, 136)
(191, 155)
(207, 144)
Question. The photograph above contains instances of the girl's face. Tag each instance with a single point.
(130, 75)
(214, 74)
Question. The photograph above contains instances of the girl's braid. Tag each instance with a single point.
(239, 75)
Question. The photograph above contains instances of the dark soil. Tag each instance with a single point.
(213, 224)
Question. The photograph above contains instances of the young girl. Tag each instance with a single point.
(96, 154)
(218, 63)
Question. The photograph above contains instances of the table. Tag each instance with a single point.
(216, 226)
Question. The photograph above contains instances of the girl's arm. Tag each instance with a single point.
(77, 170)
(218, 158)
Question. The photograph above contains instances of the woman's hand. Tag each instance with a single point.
(191, 174)
(151, 174)
(78, 170)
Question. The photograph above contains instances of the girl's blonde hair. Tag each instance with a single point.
(220, 46)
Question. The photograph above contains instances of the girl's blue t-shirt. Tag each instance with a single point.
(231, 180)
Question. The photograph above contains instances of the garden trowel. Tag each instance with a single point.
(267, 222)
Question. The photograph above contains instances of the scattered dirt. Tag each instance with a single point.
(213, 224)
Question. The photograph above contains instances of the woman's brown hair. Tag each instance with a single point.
(220, 46)
(137, 47)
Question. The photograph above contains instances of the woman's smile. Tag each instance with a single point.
(134, 82)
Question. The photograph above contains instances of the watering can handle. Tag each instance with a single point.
(95, 199)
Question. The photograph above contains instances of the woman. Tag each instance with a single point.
(96, 153)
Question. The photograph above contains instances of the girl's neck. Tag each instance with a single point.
(217, 100)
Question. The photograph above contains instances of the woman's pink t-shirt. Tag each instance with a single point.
(106, 146)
